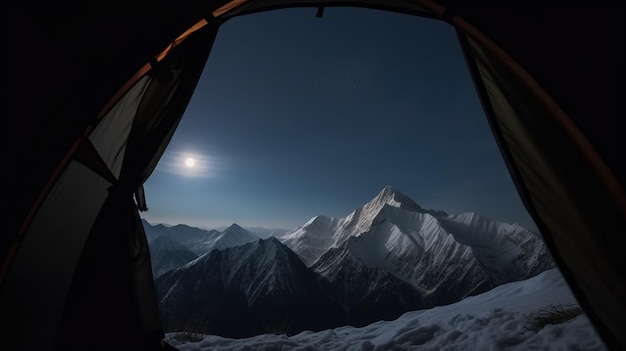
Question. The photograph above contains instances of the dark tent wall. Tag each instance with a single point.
(575, 51)
(577, 225)
(557, 117)
(80, 268)
(64, 61)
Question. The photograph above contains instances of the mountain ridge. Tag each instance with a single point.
(418, 246)
(385, 258)
(241, 291)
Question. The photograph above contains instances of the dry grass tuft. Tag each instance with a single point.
(554, 314)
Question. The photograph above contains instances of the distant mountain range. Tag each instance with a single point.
(172, 247)
(385, 258)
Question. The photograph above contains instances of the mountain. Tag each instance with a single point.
(367, 294)
(260, 287)
(361, 219)
(508, 252)
(152, 231)
(181, 233)
(191, 236)
(385, 258)
(172, 247)
(445, 257)
(166, 254)
(265, 233)
(313, 239)
(200, 241)
(515, 316)
(230, 237)
(321, 232)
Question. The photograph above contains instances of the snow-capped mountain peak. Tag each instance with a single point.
(391, 196)
(385, 258)
(312, 239)
(361, 219)
(321, 226)
(321, 232)
(446, 256)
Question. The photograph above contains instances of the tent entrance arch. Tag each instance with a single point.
(581, 222)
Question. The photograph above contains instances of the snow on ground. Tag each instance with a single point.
(504, 318)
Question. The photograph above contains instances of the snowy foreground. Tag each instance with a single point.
(513, 316)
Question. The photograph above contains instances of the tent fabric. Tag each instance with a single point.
(154, 124)
(575, 51)
(88, 156)
(522, 123)
(241, 7)
(37, 285)
(116, 126)
(104, 291)
(69, 205)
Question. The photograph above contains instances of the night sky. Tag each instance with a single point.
(297, 116)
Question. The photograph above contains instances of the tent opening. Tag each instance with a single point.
(81, 142)
(350, 147)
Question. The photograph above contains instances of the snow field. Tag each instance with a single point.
(500, 319)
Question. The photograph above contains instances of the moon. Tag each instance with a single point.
(190, 162)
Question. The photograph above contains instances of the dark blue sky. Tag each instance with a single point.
(297, 116)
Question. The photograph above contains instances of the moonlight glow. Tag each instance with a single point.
(187, 164)
(190, 162)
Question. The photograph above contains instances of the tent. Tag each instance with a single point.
(93, 91)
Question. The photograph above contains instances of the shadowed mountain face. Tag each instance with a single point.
(256, 288)
(166, 254)
(366, 294)
(384, 259)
